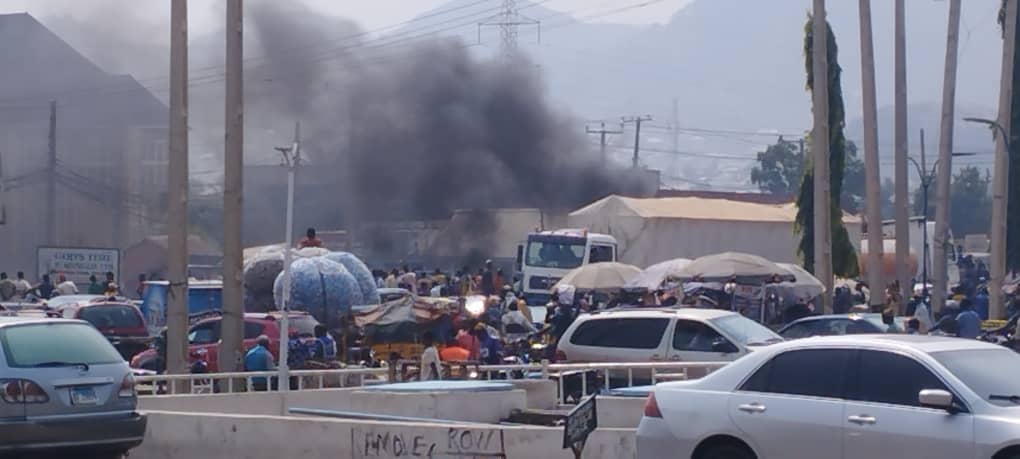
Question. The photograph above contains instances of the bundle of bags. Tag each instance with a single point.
(325, 284)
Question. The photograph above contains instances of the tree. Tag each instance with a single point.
(970, 204)
(970, 208)
(844, 255)
(780, 168)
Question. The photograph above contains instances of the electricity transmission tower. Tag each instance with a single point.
(508, 20)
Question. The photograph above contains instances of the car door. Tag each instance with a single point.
(792, 406)
(883, 413)
(694, 341)
(629, 339)
(203, 340)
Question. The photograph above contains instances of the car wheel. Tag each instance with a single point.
(726, 451)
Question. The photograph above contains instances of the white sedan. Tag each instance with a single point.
(859, 396)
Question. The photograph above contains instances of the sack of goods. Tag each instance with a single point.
(260, 272)
(361, 273)
(322, 287)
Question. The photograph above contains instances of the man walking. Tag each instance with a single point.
(7, 288)
(259, 358)
(21, 286)
(66, 287)
(967, 321)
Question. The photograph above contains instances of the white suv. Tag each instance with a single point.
(650, 335)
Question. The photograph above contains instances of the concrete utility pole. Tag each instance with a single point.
(232, 326)
(1000, 177)
(177, 212)
(871, 169)
(51, 182)
(902, 191)
(939, 258)
(637, 120)
(602, 131)
(820, 153)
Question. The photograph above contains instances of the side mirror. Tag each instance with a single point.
(936, 398)
(723, 346)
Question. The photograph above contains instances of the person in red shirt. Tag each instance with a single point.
(468, 341)
(310, 240)
(454, 353)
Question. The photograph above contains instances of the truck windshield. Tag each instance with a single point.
(562, 252)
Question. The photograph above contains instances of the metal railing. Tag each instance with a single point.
(574, 380)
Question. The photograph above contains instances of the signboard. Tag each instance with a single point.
(78, 263)
(580, 422)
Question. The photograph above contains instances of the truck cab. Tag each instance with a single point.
(547, 256)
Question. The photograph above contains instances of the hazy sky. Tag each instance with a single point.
(370, 14)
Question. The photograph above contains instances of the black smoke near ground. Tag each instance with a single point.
(417, 130)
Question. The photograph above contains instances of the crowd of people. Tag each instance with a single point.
(487, 280)
(20, 289)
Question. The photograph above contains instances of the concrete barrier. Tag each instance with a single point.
(174, 435)
(620, 412)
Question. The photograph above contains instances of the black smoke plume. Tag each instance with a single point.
(415, 131)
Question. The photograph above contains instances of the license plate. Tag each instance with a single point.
(83, 396)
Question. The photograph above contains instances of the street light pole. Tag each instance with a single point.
(291, 160)
(927, 178)
(1000, 183)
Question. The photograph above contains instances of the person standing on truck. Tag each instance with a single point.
(310, 240)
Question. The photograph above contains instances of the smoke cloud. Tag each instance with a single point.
(415, 131)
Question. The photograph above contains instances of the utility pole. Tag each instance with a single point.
(509, 20)
(902, 191)
(51, 182)
(637, 120)
(232, 325)
(291, 160)
(939, 259)
(1000, 177)
(820, 152)
(3, 191)
(177, 211)
(602, 131)
(871, 167)
(926, 179)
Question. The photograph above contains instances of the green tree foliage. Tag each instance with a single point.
(780, 168)
(970, 205)
(1013, 193)
(844, 255)
(780, 171)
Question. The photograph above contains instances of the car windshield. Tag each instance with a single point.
(33, 345)
(746, 331)
(987, 372)
(555, 252)
(114, 316)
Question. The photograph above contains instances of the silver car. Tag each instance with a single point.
(855, 396)
(63, 387)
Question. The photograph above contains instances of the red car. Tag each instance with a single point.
(204, 339)
(121, 322)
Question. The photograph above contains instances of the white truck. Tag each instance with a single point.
(547, 256)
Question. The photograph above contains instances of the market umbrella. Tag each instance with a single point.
(804, 285)
(655, 275)
(609, 276)
(742, 268)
